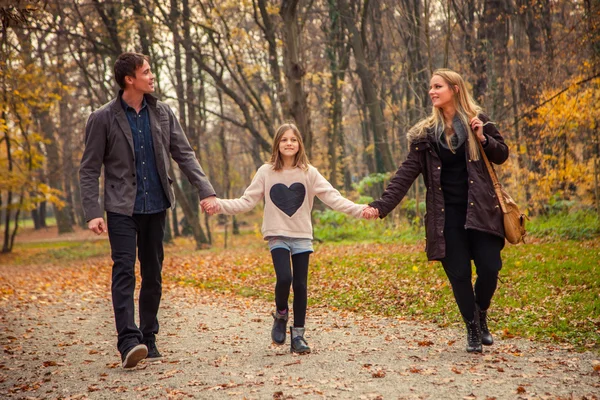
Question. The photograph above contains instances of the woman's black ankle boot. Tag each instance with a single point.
(473, 335)
(486, 336)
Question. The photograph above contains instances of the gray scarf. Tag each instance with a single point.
(459, 137)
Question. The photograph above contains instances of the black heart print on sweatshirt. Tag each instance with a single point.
(288, 199)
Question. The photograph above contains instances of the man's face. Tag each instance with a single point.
(143, 81)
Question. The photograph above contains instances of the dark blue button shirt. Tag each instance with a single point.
(150, 197)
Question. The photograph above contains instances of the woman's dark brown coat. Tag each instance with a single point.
(483, 212)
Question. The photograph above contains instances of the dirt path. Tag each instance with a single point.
(218, 347)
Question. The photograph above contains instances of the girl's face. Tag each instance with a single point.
(440, 92)
(288, 145)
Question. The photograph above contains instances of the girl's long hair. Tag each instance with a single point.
(466, 109)
(300, 160)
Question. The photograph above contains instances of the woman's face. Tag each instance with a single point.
(440, 93)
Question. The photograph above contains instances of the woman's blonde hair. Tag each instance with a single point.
(300, 160)
(466, 109)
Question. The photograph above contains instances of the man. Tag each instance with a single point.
(133, 136)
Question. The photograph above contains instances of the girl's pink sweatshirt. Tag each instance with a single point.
(289, 196)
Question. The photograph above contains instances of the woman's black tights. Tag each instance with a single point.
(285, 279)
(462, 246)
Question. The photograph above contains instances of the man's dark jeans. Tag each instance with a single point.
(144, 231)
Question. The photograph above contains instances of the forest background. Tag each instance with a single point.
(352, 74)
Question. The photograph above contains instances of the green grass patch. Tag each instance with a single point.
(334, 226)
(57, 252)
(576, 225)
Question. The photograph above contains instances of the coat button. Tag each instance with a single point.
(442, 210)
(416, 148)
(472, 204)
(133, 183)
(439, 167)
(471, 181)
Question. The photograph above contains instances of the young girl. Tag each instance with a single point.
(288, 183)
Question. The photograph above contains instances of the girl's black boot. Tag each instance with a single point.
(278, 332)
(299, 344)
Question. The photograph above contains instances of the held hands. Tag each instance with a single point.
(97, 225)
(370, 213)
(210, 205)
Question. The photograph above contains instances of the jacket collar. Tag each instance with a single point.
(116, 102)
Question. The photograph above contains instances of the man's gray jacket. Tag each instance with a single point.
(109, 141)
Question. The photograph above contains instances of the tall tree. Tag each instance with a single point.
(383, 155)
(295, 70)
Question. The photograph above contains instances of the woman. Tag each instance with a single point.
(463, 220)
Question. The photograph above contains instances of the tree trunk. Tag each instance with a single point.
(141, 24)
(268, 28)
(187, 188)
(417, 71)
(191, 216)
(6, 248)
(226, 168)
(596, 166)
(295, 71)
(16, 220)
(338, 56)
(495, 28)
(65, 131)
(168, 237)
(383, 156)
(366, 134)
(175, 222)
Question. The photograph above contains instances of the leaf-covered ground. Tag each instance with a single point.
(58, 340)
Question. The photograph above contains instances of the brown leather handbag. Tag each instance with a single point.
(514, 219)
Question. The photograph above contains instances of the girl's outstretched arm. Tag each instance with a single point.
(332, 197)
(253, 194)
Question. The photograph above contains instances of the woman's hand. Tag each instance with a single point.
(370, 213)
(477, 127)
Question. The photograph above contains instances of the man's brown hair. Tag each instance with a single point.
(126, 65)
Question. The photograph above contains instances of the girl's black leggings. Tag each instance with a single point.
(462, 246)
(285, 279)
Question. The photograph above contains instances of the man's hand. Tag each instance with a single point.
(210, 205)
(97, 225)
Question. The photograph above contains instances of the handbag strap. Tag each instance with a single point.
(497, 185)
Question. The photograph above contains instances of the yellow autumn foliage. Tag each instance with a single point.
(563, 148)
